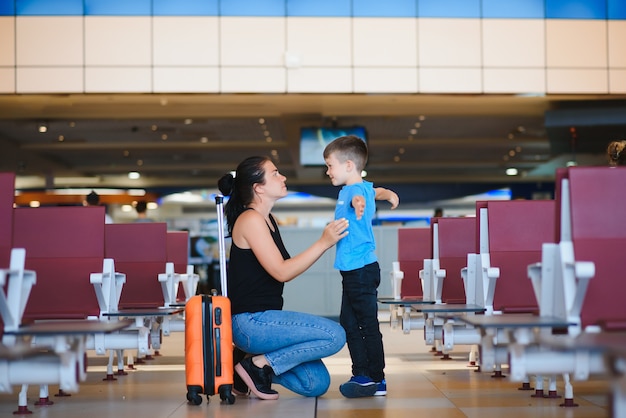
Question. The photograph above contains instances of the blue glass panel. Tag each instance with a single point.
(49, 8)
(388, 8)
(448, 8)
(513, 9)
(319, 8)
(7, 7)
(252, 8)
(617, 9)
(576, 9)
(118, 8)
(185, 7)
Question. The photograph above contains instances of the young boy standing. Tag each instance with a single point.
(357, 262)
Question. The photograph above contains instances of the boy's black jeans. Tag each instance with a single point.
(359, 318)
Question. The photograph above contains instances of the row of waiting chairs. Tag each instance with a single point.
(558, 262)
(65, 265)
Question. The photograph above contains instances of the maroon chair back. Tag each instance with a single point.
(517, 231)
(7, 197)
(457, 238)
(599, 235)
(414, 245)
(64, 245)
(139, 251)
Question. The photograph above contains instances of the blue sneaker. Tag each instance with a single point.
(381, 389)
(358, 387)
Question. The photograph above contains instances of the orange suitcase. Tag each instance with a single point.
(208, 348)
(209, 337)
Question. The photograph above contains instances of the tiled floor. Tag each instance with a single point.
(419, 384)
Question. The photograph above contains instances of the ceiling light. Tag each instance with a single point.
(511, 171)
(34, 204)
(127, 208)
(363, 173)
(42, 128)
(136, 192)
(204, 139)
(184, 197)
(152, 205)
(261, 121)
(571, 164)
(188, 121)
(134, 175)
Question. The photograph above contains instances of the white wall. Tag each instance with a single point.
(235, 54)
(318, 290)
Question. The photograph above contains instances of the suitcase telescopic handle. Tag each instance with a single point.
(219, 203)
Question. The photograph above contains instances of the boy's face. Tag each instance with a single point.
(337, 171)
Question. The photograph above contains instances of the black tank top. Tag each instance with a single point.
(250, 287)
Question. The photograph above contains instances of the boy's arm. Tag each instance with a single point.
(388, 195)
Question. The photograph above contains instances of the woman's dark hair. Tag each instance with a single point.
(240, 187)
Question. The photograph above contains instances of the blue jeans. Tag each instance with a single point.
(294, 344)
(359, 317)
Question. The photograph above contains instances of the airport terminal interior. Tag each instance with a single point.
(460, 103)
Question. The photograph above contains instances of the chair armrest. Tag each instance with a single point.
(584, 270)
(493, 272)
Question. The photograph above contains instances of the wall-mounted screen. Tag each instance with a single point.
(313, 140)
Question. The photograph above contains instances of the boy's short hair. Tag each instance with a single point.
(349, 147)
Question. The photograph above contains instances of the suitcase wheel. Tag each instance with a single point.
(226, 395)
(194, 398)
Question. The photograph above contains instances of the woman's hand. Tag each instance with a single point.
(334, 231)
